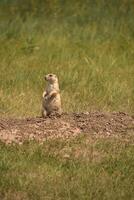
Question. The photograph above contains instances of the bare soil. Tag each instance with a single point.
(66, 126)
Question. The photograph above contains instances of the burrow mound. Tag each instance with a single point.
(65, 126)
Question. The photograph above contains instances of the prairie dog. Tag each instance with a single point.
(51, 102)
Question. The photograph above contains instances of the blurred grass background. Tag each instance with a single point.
(88, 44)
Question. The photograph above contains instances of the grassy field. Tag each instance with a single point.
(82, 169)
(90, 46)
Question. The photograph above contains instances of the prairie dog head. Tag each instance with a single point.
(51, 78)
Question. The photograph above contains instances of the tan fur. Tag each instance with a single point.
(51, 102)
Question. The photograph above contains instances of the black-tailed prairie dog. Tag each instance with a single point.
(51, 103)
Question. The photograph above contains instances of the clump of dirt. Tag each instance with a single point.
(66, 126)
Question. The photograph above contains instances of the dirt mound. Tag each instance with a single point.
(66, 126)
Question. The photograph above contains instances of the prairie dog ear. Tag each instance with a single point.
(45, 77)
(44, 93)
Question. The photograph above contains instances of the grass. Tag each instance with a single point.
(83, 168)
(89, 46)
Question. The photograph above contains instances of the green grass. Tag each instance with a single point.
(83, 168)
(88, 45)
